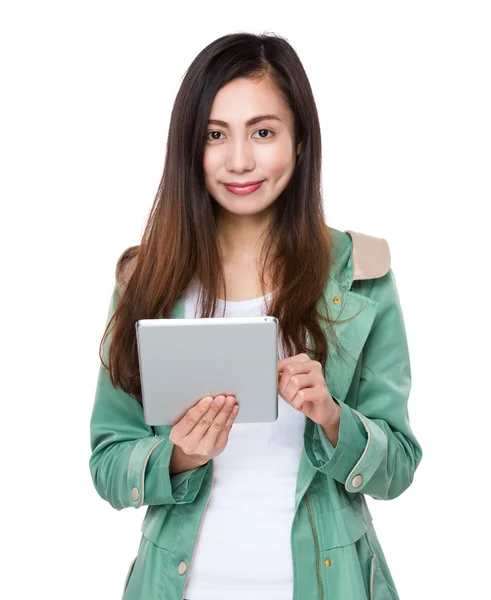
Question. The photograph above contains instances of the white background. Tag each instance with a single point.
(403, 93)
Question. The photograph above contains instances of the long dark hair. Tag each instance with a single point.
(180, 238)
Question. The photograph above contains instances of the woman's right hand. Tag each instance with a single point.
(203, 431)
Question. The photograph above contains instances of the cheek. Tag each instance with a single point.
(211, 168)
(278, 162)
(208, 162)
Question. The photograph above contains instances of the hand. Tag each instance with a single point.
(203, 431)
(301, 383)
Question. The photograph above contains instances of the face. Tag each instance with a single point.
(238, 152)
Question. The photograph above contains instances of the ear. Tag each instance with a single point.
(298, 147)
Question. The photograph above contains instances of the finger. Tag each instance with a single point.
(218, 425)
(195, 436)
(284, 362)
(293, 370)
(304, 396)
(296, 383)
(223, 435)
(196, 413)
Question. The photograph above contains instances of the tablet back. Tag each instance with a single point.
(183, 360)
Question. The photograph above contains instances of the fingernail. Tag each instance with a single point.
(208, 399)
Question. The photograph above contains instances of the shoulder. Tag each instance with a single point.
(369, 255)
(125, 266)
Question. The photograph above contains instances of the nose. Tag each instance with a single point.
(240, 156)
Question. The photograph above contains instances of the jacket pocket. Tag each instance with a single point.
(348, 563)
(344, 526)
(128, 575)
(160, 525)
(378, 585)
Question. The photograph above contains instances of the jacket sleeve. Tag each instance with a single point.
(377, 452)
(129, 464)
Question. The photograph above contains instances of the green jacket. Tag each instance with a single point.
(335, 551)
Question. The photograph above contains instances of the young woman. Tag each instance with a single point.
(271, 510)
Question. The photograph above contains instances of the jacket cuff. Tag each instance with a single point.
(357, 454)
(149, 480)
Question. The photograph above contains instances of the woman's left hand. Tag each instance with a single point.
(301, 383)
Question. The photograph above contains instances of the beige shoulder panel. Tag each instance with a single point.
(125, 266)
(371, 255)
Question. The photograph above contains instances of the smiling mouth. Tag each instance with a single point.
(243, 190)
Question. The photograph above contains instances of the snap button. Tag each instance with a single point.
(135, 494)
(336, 299)
(357, 481)
(327, 562)
(182, 568)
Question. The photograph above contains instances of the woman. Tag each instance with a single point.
(266, 510)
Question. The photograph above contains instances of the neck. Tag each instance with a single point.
(240, 236)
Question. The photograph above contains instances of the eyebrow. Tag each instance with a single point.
(252, 121)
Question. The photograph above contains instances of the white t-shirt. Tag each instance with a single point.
(243, 549)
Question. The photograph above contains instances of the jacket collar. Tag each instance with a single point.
(356, 256)
(353, 314)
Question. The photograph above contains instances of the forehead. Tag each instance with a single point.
(244, 98)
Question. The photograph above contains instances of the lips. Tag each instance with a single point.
(243, 189)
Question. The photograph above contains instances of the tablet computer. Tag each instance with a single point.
(183, 360)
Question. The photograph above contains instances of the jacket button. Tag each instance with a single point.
(135, 494)
(327, 562)
(336, 299)
(182, 568)
(357, 481)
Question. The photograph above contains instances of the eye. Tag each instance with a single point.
(265, 138)
(215, 138)
(220, 133)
